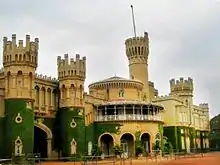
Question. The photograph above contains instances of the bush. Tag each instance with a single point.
(117, 149)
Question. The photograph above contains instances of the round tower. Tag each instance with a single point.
(137, 50)
(20, 63)
(71, 77)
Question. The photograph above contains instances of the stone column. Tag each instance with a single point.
(52, 100)
(141, 112)
(124, 112)
(115, 112)
(46, 100)
(97, 116)
(133, 112)
(49, 147)
(7, 80)
(105, 113)
(40, 98)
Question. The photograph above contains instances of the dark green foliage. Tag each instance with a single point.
(139, 148)
(96, 150)
(24, 130)
(67, 133)
(2, 136)
(168, 148)
(173, 136)
(118, 150)
(161, 130)
(101, 128)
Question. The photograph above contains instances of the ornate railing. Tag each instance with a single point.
(129, 117)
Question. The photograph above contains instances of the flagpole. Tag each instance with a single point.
(133, 20)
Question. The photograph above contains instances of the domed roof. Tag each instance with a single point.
(115, 79)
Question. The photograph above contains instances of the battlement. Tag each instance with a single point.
(204, 105)
(46, 78)
(71, 68)
(137, 46)
(181, 85)
(14, 53)
(151, 83)
(166, 97)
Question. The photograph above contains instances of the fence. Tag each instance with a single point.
(154, 157)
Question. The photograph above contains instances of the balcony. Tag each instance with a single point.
(128, 117)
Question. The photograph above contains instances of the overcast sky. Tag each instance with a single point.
(184, 38)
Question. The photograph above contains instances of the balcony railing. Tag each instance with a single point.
(129, 117)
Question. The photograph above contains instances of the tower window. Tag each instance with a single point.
(144, 98)
(121, 93)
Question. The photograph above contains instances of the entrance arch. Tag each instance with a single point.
(107, 143)
(145, 141)
(42, 139)
(127, 143)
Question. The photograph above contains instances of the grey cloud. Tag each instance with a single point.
(183, 37)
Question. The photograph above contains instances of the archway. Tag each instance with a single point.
(42, 139)
(145, 141)
(127, 143)
(40, 142)
(107, 143)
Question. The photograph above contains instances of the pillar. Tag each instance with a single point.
(115, 112)
(124, 112)
(40, 98)
(105, 113)
(141, 112)
(49, 147)
(133, 112)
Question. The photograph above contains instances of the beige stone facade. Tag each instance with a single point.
(132, 102)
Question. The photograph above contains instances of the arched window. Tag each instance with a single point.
(18, 146)
(121, 93)
(144, 98)
(73, 147)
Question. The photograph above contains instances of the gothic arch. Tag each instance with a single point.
(127, 133)
(146, 132)
(106, 133)
(44, 128)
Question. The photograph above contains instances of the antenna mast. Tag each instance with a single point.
(133, 20)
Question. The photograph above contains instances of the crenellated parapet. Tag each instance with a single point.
(204, 106)
(73, 68)
(181, 86)
(19, 53)
(71, 76)
(137, 47)
(45, 78)
(166, 97)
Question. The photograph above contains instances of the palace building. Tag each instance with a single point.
(51, 116)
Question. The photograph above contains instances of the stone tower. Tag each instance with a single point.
(137, 50)
(20, 63)
(183, 89)
(71, 77)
